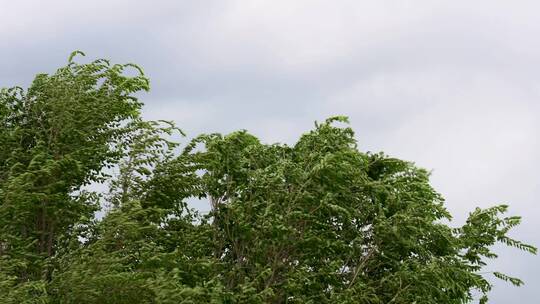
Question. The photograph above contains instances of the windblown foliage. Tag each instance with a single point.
(315, 222)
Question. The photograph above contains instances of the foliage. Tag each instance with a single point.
(315, 222)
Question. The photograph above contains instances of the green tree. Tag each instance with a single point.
(315, 222)
(322, 222)
(56, 137)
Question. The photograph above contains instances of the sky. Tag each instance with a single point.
(450, 85)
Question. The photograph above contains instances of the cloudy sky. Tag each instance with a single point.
(451, 85)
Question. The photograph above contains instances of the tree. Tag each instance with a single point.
(55, 138)
(318, 221)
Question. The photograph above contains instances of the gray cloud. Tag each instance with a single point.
(451, 85)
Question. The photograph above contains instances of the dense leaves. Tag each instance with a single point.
(315, 222)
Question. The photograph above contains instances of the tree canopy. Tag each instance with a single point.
(314, 222)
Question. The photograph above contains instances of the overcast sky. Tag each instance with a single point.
(451, 85)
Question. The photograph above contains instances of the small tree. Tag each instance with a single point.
(56, 137)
